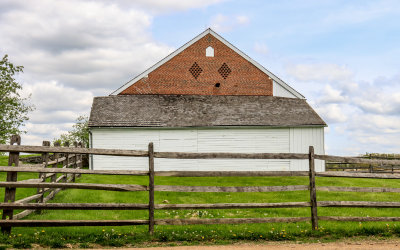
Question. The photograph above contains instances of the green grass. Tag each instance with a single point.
(207, 234)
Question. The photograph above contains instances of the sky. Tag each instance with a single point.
(343, 56)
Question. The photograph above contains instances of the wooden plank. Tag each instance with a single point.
(151, 188)
(75, 162)
(9, 195)
(76, 206)
(229, 173)
(229, 189)
(42, 176)
(23, 214)
(29, 198)
(94, 151)
(51, 195)
(360, 189)
(356, 160)
(229, 221)
(67, 162)
(93, 186)
(31, 181)
(373, 204)
(60, 178)
(70, 223)
(313, 193)
(49, 175)
(179, 155)
(359, 219)
(136, 206)
(357, 175)
(58, 160)
(71, 171)
(55, 165)
(231, 205)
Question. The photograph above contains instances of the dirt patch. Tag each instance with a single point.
(274, 245)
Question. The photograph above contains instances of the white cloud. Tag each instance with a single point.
(51, 96)
(322, 72)
(74, 50)
(332, 113)
(163, 6)
(364, 114)
(223, 23)
(331, 95)
(80, 44)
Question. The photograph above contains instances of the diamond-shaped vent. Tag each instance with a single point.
(195, 70)
(224, 71)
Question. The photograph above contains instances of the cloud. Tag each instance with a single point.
(74, 50)
(365, 114)
(49, 96)
(331, 95)
(320, 72)
(80, 44)
(223, 23)
(174, 5)
(331, 113)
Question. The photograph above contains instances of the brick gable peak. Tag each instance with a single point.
(195, 71)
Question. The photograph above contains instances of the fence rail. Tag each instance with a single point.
(72, 157)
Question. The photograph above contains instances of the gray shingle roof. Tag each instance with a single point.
(201, 111)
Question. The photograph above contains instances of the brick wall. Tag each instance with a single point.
(174, 77)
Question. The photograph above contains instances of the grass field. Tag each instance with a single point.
(208, 234)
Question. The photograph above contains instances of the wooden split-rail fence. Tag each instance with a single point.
(11, 184)
(367, 168)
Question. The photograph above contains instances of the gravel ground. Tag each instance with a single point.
(333, 245)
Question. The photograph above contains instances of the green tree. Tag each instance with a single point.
(79, 133)
(13, 107)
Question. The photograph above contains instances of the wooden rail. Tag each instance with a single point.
(52, 166)
(71, 157)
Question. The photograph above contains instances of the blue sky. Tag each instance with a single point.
(341, 55)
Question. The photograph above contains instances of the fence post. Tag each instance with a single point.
(313, 193)
(75, 161)
(80, 164)
(55, 165)
(9, 196)
(151, 188)
(42, 176)
(66, 144)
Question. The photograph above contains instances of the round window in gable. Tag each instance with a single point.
(217, 85)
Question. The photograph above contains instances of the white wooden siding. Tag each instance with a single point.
(235, 140)
(278, 90)
(300, 140)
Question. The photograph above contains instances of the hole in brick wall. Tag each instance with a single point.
(224, 70)
(217, 85)
(195, 70)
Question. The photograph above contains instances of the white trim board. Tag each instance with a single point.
(220, 38)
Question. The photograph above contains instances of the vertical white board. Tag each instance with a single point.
(300, 140)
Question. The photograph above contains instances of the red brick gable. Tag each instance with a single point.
(181, 76)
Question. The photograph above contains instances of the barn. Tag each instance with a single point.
(207, 96)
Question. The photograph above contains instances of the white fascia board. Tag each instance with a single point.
(209, 31)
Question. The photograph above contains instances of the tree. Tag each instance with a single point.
(79, 133)
(13, 109)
